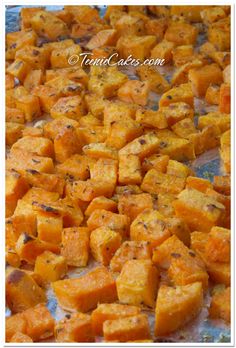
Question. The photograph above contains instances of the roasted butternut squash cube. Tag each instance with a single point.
(118, 111)
(74, 73)
(71, 107)
(75, 167)
(75, 246)
(36, 57)
(37, 145)
(50, 182)
(177, 306)
(182, 54)
(40, 195)
(66, 87)
(224, 104)
(19, 69)
(225, 150)
(156, 26)
(48, 96)
(211, 15)
(157, 82)
(218, 245)
(156, 182)
(130, 250)
(14, 323)
(139, 47)
(127, 329)
(142, 146)
(198, 210)
(84, 293)
(149, 226)
(28, 247)
(15, 188)
(225, 200)
(50, 267)
(104, 168)
(176, 112)
(66, 144)
(132, 205)
(83, 14)
(189, 13)
(47, 25)
(212, 94)
(24, 218)
(199, 184)
(131, 24)
(205, 140)
(19, 39)
(97, 150)
(106, 81)
(13, 132)
(221, 184)
(227, 74)
(33, 79)
(218, 36)
(14, 115)
(103, 244)
(22, 292)
(49, 228)
(19, 337)
(178, 169)
(157, 162)
(107, 37)
(29, 104)
(91, 188)
(180, 76)
(179, 228)
(102, 218)
(101, 203)
(134, 91)
(185, 128)
(163, 50)
(137, 283)
(151, 118)
(129, 170)
(202, 77)
(220, 304)
(181, 93)
(74, 327)
(181, 33)
(63, 57)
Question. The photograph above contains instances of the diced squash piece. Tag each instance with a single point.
(210, 15)
(103, 244)
(220, 305)
(19, 337)
(75, 167)
(199, 184)
(138, 47)
(24, 218)
(50, 267)
(225, 154)
(133, 205)
(15, 188)
(101, 203)
(29, 104)
(104, 167)
(131, 24)
(227, 74)
(181, 33)
(47, 25)
(176, 112)
(71, 107)
(14, 115)
(157, 182)
(151, 118)
(28, 247)
(224, 104)
(129, 170)
(189, 13)
(182, 54)
(149, 226)
(157, 82)
(178, 169)
(22, 292)
(181, 93)
(97, 150)
(61, 57)
(49, 228)
(19, 69)
(33, 79)
(106, 37)
(84, 293)
(65, 87)
(163, 50)
(202, 77)
(156, 26)
(157, 162)
(91, 188)
(74, 327)
(127, 329)
(15, 324)
(198, 210)
(179, 228)
(212, 94)
(48, 96)
(207, 139)
(134, 91)
(36, 57)
(177, 306)
(13, 132)
(137, 283)
(102, 218)
(37, 145)
(130, 250)
(222, 184)
(66, 144)
(217, 248)
(219, 35)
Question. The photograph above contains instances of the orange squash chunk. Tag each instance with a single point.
(50, 267)
(74, 328)
(222, 184)
(134, 91)
(84, 293)
(15, 323)
(132, 205)
(220, 305)
(127, 329)
(199, 184)
(15, 187)
(37, 145)
(130, 170)
(101, 203)
(19, 337)
(177, 306)
(218, 245)
(111, 311)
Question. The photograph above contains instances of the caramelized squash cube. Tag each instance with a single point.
(19, 69)
(50, 267)
(138, 47)
(66, 144)
(132, 205)
(181, 93)
(37, 145)
(163, 50)
(157, 82)
(15, 188)
(15, 323)
(13, 132)
(71, 107)
(217, 248)
(220, 305)
(29, 104)
(199, 184)
(181, 33)
(19, 337)
(134, 91)
(129, 170)
(151, 118)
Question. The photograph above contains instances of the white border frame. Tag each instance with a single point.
(2, 160)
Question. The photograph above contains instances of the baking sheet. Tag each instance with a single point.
(206, 166)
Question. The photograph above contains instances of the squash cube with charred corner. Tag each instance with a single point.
(129, 170)
(111, 311)
(181, 33)
(151, 118)
(134, 91)
(47, 25)
(217, 248)
(157, 82)
(106, 81)
(181, 93)
(50, 267)
(149, 226)
(130, 250)
(177, 306)
(198, 210)
(137, 283)
(163, 50)
(202, 77)
(74, 327)
(24, 218)
(103, 244)
(84, 293)
(132, 205)
(127, 329)
(139, 47)
(18, 283)
(102, 218)
(71, 107)
(75, 246)
(156, 182)
(179, 228)
(65, 87)
(220, 304)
